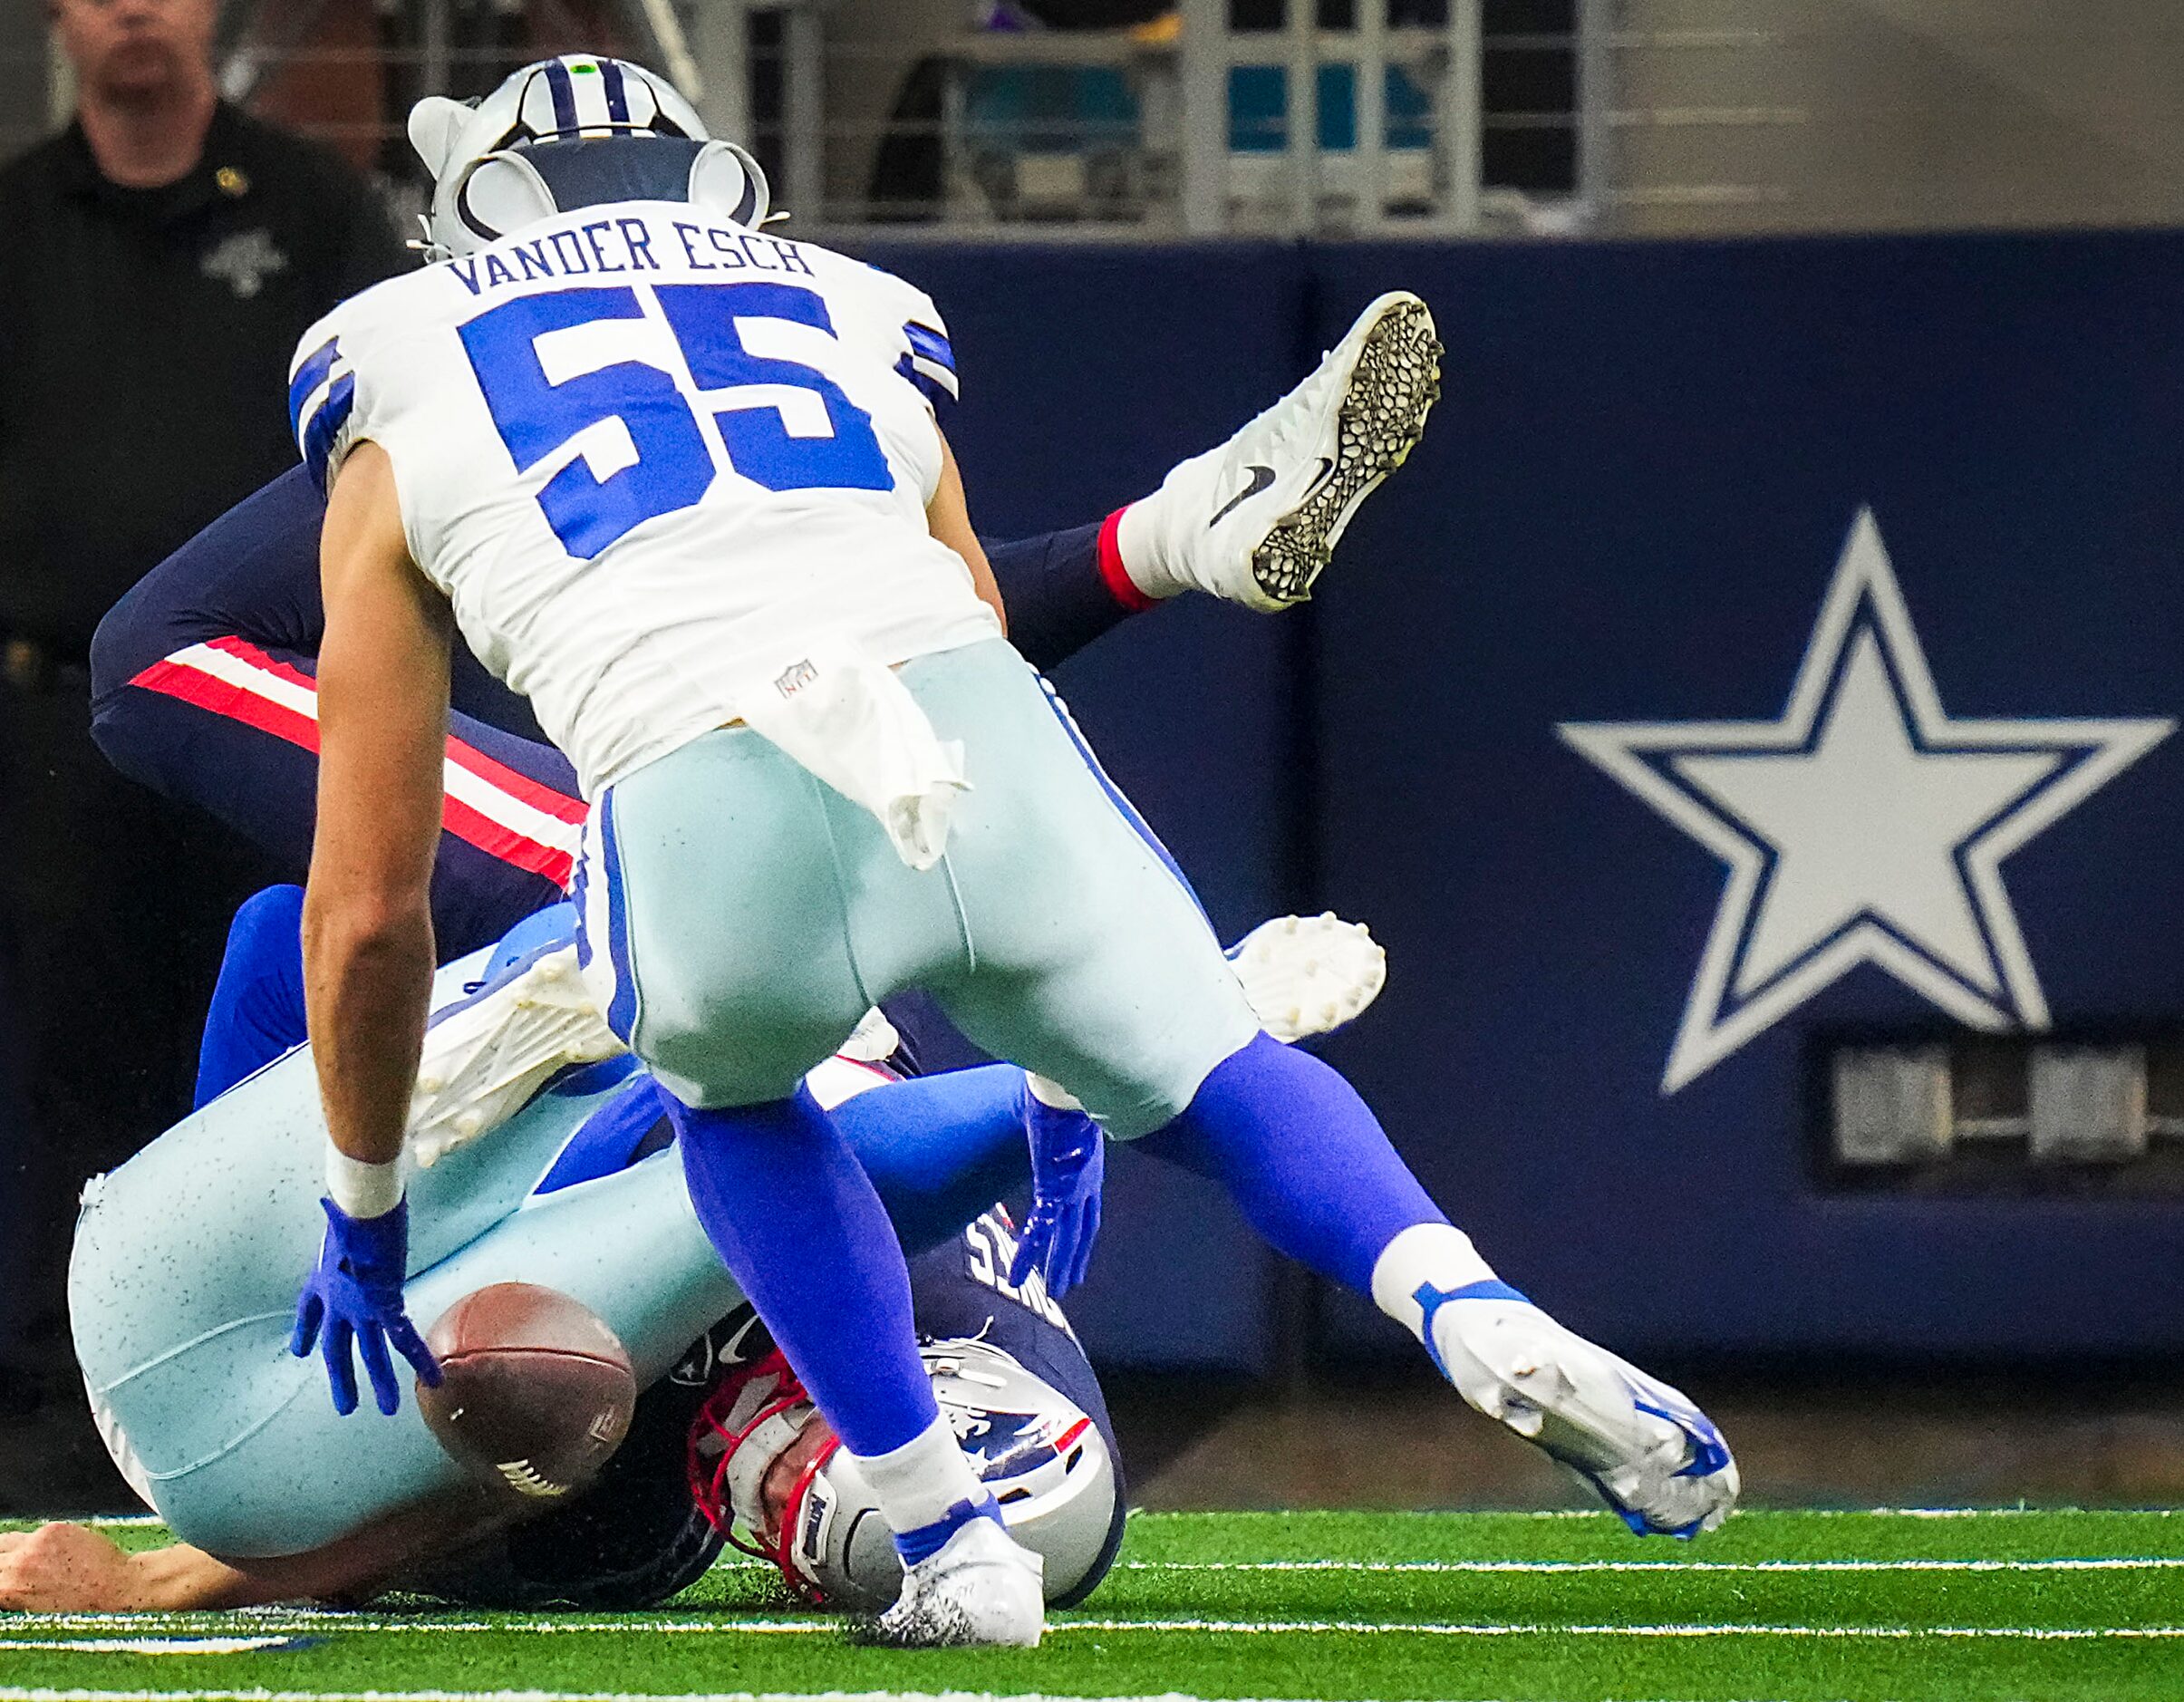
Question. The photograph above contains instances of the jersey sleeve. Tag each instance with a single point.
(927, 358)
(322, 397)
(930, 362)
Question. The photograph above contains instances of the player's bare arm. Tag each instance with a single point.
(949, 517)
(75, 1568)
(368, 949)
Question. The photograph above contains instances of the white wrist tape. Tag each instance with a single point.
(360, 1189)
(1051, 1093)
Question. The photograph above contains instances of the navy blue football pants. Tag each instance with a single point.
(203, 689)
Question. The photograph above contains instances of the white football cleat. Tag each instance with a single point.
(1653, 1456)
(1306, 975)
(1254, 520)
(981, 1588)
(484, 1061)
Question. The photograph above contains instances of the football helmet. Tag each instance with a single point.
(579, 130)
(1045, 1461)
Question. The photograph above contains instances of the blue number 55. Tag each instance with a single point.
(672, 468)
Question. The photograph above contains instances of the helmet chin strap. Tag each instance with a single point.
(792, 1520)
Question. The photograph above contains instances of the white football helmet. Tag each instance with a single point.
(1045, 1461)
(579, 130)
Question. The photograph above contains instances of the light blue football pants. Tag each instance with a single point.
(182, 1290)
(188, 1258)
(740, 916)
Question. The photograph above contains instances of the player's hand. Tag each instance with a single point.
(67, 1568)
(354, 1297)
(1068, 1164)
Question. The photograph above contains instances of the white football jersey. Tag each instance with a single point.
(645, 452)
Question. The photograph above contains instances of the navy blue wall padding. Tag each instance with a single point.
(1628, 510)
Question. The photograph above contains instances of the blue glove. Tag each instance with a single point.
(1068, 1164)
(355, 1296)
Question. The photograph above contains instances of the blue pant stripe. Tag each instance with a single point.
(621, 1012)
(1123, 806)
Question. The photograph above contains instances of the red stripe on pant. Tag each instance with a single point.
(236, 702)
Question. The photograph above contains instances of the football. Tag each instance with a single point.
(536, 1394)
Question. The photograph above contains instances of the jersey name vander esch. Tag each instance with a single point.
(643, 451)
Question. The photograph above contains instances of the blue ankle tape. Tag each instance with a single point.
(928, 1540)
(1432, 1300)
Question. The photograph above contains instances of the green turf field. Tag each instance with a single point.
(1951, 1607)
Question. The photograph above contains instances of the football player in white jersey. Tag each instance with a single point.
(676, 481)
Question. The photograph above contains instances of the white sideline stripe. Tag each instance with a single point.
(1349, 1628)
(1392, 1514)
(17, 1694)
(1237, 1628)
(2149, 1563)
(159, 1645)
(502, 808)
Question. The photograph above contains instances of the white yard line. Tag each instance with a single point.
(1236, 1627)
(10, 1694)
(156, 1645)
(1414, 1628)
(2151, 1564)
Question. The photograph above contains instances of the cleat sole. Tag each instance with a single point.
(1395, 382)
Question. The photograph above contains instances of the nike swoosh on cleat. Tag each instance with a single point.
(1262, 477)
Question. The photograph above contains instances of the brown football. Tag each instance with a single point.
(536, 1392)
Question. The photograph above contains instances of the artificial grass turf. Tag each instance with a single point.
(1957, 1609)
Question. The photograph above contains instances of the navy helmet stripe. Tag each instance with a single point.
(617, 93)
(308, 377)
(564, 96)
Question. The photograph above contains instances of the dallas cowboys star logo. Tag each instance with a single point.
(1864, 827)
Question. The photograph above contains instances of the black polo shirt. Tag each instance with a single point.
(145, 337)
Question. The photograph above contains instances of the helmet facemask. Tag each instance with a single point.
(1045, 1463)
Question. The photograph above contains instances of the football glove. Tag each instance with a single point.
(1068, 1164)
(354, 1297)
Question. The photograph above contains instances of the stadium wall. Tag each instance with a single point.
(1630, 509)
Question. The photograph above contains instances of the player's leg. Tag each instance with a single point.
(258, 1004)
(203, 690)
(1096, 969)
(1252, 520)
(940, 1149)
(231, 726)
(712, 891)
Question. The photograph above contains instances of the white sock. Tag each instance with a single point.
(1137, 544)
(1425, 1254)
(918, 1483)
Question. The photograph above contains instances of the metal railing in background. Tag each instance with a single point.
(1306, 117)
(1347, 116)
(1355, 116)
